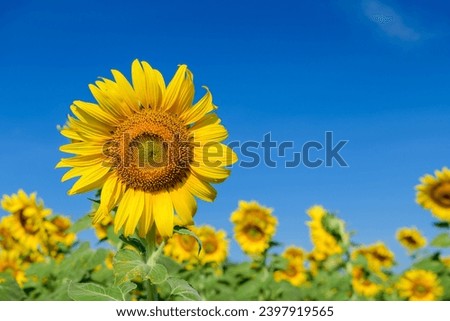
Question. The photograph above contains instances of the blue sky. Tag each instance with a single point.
(376, 73)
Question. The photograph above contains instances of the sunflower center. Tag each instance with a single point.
(187, 242)
(29, 225)
(420, 290)
(441, 194)
(410, 240)
(291, 270)
(210, 246)
(253, 232)
(151, 151)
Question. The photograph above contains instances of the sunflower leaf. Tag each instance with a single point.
(128, 266)
(134, 242)
(82, 224)
(94, 292)
(184, 231)
(442, 240)
(9, 289)
(158, 274)
(180, 288)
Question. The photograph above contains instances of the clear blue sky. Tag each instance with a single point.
(376, 73)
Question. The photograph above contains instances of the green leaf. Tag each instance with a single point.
(9, 289)
(184, 231)
(82, 224)
(336, 227)
(158, 274)
(134, 242)
(127, 287)
(171, 265)
(443, 225)
(180, 288)
(442, 240)
(94, 292)
(128, 265)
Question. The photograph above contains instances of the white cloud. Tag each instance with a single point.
(389, 21)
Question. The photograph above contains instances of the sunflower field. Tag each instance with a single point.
(149, 152)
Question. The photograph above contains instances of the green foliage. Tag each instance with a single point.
(442, 240)
(9, 289)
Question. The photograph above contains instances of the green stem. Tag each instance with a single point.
(152, 294)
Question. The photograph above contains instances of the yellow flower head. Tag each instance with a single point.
(254, 227)
(148, 147)
(378, 256)
(101, 227)
(411, 238)
(11, 262)
(419, 285)
(26, 219)
(182, 248)
(434, 194)
(362, 285)
(295, 272)
(324, 243)
(214, 244)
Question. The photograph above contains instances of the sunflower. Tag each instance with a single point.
(446, 260)
(182, 248)
(254, 227)
(419, 285)
(378, 257)
(11, 262)
(325, 244)
(434, 194)
(26, 222)
(214, 245)
(411, 238)
(294, 272)
(148, 147)
(361, 283)
(101, 227)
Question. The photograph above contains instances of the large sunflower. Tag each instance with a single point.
(148, 147)
(434, 194)
(411, 238)
(254, 227)
(419, 285)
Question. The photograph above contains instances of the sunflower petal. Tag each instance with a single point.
(184, 203)
(163, 213)
(201, 189)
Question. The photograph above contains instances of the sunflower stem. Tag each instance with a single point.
(152, 294)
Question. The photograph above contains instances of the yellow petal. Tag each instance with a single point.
(126, 90)
(211, 174)
(146, 220)
(135, 212)
(139, 82)
(163, 213)
(216, 133)
(109, 197)
(155, 86)
(184, 203)
(90, 179)
(180, 91)
(83, 148)
(201, 189)
(122, 210)
(200, 109)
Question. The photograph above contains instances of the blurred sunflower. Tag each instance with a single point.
(11, 262)
(101, 227)
(214, 245)
(325, 244)
(295, 272)
(378, 256)
(434, 193)
(361, 283)
(58, 234)
(446, 260)
(411, 238)
(148, 147)
(419, 285)
(254, 227)
(182, 248)
(26, 222)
